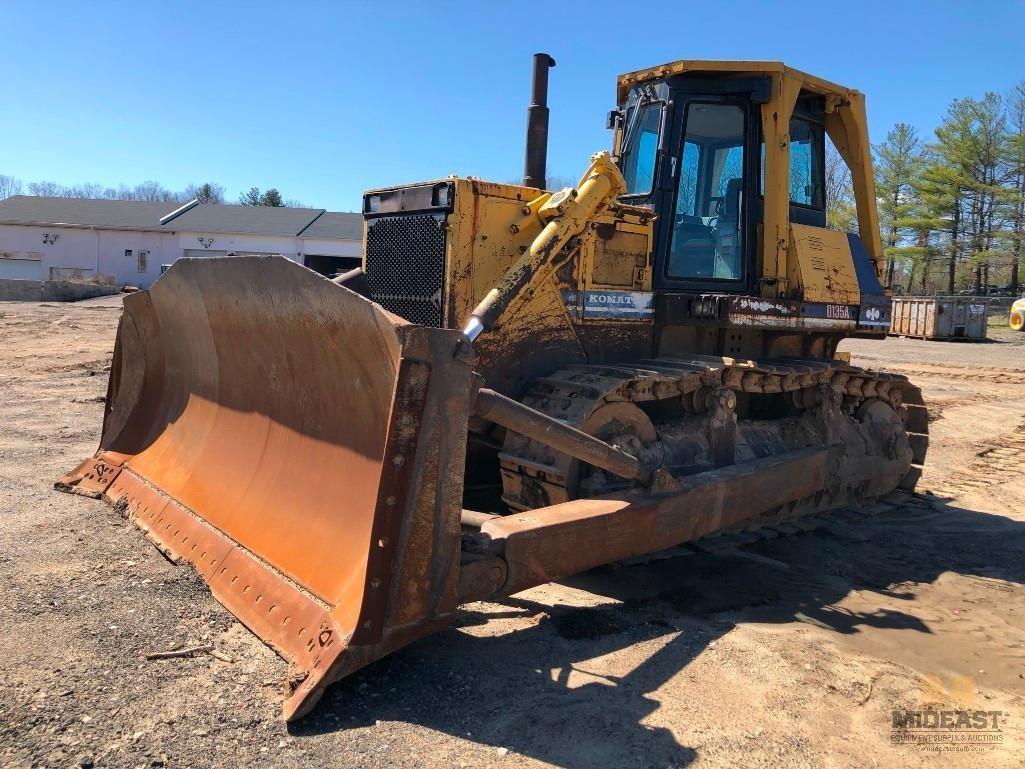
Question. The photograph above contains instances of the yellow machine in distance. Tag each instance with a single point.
(1016, 318)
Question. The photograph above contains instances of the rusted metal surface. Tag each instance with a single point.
(555, 434)
(480, 576)
(301, 447)
(91, 478)
(554, 542)
(474, 519)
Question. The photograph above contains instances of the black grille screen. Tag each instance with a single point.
(406, 265)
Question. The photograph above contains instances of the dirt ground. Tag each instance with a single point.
(792, 651)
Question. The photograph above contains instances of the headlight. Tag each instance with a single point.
(704, 307)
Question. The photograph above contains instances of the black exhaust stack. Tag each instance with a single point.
(537, 124)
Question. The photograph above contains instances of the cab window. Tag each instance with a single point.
(641, 147)
(806, 173)
(706, 238)
(807, 179)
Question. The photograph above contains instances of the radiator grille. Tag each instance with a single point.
(405, 264)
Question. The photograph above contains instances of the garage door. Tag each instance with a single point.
(21, 269)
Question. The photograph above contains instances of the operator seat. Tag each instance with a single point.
(693, 248)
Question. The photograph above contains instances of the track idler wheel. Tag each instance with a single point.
(620, 424)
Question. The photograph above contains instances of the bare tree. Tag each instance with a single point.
(87, 190)
(841, 212)
(46, 189)
(557, 182)
(149, 191)
(153, 192)
(9, 185)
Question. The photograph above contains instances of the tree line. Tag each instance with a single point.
(951, 209)
(148, 191)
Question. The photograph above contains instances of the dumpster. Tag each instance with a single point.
(939, 317)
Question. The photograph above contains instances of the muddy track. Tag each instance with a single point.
(534, 476)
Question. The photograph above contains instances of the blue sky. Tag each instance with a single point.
(325, 100)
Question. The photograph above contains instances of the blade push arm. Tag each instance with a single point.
(564, 216)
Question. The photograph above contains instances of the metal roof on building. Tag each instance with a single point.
(84, 212)
(332, 225)
(209, 217)
(244, 220)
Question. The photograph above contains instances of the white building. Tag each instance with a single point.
(126, 242)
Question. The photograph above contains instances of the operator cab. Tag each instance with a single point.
(692, 150)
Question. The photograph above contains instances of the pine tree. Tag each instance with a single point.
(255, 198)
(940, 190)
(204, 193)
(1015, 159)
(272, 198)
(250, 198)
(971, 142)
(898, 166)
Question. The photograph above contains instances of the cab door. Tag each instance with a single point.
(708, 186)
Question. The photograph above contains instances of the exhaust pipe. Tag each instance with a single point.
(537, 124)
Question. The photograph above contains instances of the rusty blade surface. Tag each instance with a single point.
(300, 446)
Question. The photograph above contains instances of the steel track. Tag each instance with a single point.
(574, 393)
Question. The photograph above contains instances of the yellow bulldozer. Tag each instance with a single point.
(519, 384)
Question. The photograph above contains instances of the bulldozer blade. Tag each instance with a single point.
(301, 447)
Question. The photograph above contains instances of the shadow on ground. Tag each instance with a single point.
(511, 690)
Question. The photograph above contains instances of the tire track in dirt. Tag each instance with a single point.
(995, 463)
(938, 408)
(966, 373)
